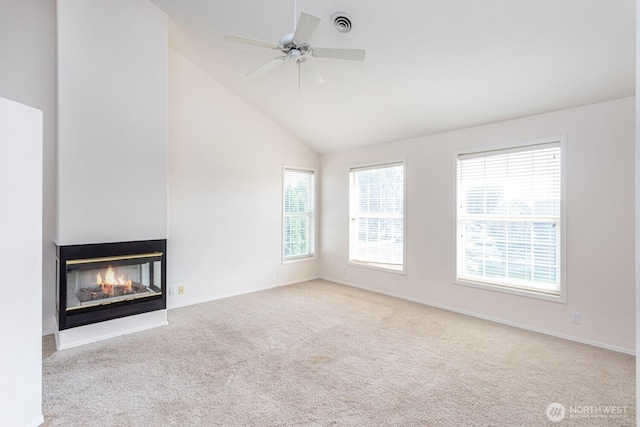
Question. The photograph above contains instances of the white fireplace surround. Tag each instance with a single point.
(87, 334)
(112, 135)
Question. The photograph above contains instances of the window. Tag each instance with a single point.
(510, 219)
(298, 211)
(376, 204)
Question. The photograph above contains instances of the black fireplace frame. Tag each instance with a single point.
(100, 313)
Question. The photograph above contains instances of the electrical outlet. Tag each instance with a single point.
(180, 290)
(277, 272)
(575, 317)
(172, 290)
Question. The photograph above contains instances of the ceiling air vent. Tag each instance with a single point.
(342, 22)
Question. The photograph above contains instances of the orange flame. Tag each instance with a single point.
(110, 280)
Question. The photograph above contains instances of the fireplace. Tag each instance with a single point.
(98, 282)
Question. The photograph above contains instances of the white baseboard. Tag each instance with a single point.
(242, 292)
(86, 334)
(48, 331)
(50, 326)
(489, 318)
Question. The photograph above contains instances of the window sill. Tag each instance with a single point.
(299, 259)
(379, 267)
(514, 291)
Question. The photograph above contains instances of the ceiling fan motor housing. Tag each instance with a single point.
(286, 41)
(291, 48)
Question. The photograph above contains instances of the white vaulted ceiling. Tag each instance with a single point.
(431, 65)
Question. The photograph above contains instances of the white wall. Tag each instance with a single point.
(112, 127)
(28, 76)
(600, 223)
(225, 191)
(637, 205)
(21, 264)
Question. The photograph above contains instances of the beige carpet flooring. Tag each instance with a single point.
(322, 354)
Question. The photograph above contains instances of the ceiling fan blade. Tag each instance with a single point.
(305, 28)
(350, 54)
(268, 66)
(246, 40)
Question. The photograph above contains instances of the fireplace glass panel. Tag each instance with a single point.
(102, 281)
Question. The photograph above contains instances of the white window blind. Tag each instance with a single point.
(376, 235)
(298, 207)
(509, 218)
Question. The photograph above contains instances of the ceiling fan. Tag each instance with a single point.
(296, 47)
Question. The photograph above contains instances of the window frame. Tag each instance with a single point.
(373, 265)
(312, 216)
(562, 142)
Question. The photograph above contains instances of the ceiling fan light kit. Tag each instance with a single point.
(296, 46)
